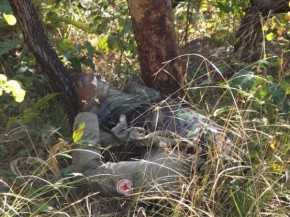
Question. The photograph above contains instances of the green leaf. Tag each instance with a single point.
(243, 80)
(265, 28)
(3, 78)
(102, 44)
(88, 62)
(285, 84)
(28, 116)
(90, 48)
(64, 45)
(224, 7)
(56, 19)
(114, 42)
(279, 98)
(78, 133)
(267, 64)
(221, 111)
(10, 19)
(19, 95)
(33, 112)
(11, 122)
(5, 7)
(262, 92)
(13, 85)
(43, 100)
(270, 36)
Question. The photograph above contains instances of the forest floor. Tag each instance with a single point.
(38, 140)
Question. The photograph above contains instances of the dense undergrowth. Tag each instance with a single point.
(250, 99)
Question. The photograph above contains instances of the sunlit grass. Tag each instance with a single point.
(221, 190)
(36, 180)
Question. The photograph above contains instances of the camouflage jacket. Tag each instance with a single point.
(147, 108)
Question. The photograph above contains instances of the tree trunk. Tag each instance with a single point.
(153, 27)
(45, 55)
(250, 30)
(265, 6)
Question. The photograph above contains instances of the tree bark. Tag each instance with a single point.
(250, 28)
(45, 55)
(153, 27)
(265, 6)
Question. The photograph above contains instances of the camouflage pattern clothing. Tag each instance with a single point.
(162, 170)
(147, 108)
(163, 129)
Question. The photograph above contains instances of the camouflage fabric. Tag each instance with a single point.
(150, 122)
(160, 170)
(147, 108)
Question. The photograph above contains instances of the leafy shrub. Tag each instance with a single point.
(13, 87)
(271, 98)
